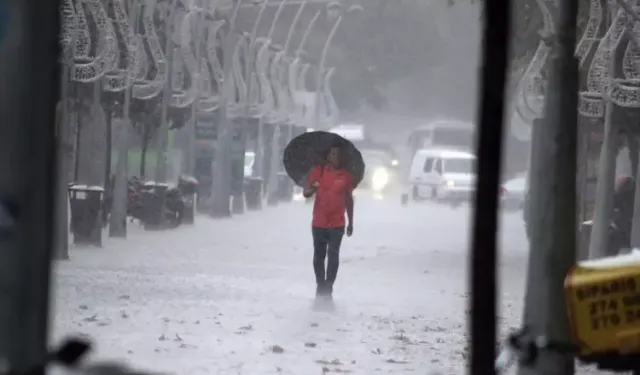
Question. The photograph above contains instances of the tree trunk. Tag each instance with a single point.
(118, 220)
(598, 243)
(274, 164)
(163, 136)
(258, 163)
(162, 161)
(582, 251)
(268, 134)
(237, 205)
(91, 158)
(143, 150)
(61, 249)
(77, 142)
(109, 150)
(632, 146)
(108, 187)
(220, 167)
(635, 227)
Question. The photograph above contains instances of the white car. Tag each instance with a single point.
(443, 174)
(514, 192)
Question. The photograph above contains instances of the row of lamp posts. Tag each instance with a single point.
(241, 78)
(608, 88)
(610, 29)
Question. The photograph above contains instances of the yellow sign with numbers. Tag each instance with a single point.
(603, 303)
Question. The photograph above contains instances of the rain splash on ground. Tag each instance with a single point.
(237, 296)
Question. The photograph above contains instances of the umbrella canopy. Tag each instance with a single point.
(309, 150)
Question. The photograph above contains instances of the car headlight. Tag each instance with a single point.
(451, 183)
(380, 179)
(394, 163)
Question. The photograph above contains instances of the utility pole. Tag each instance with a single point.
(29, 90)
(258, 164)
(553, 205)
(61, 244)
(274, 167)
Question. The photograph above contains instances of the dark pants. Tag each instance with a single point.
(326, 241)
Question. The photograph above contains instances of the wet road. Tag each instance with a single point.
(237, 296)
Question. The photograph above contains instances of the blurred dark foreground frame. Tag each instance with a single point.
(29, 82)
(485, 216)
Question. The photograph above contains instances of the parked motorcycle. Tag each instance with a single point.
(176, 202)
(617, 240)
(620, 222)
(143, 198)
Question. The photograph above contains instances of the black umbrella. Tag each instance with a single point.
(310, 149)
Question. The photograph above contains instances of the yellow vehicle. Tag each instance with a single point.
(603, 302)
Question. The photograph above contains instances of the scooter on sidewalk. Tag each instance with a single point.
(618, 238)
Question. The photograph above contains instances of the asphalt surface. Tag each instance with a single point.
(237, 296)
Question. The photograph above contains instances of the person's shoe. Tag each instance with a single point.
(320, 290)
(328, 290)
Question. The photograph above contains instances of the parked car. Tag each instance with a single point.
(513, 193)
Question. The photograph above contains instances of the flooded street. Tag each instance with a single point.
(237, 296)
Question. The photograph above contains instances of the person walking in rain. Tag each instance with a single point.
(333, 186)
(623, 205)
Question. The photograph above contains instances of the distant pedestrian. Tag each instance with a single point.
(333, 186)
(623, 206)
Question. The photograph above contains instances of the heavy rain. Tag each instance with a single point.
(319, 186)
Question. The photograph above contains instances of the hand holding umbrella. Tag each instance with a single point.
(308, 191)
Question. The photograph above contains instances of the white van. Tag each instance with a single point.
(451, 134)
(443, 174)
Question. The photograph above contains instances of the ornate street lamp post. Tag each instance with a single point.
(118, 219)
(262, 50)
(189, 156)
(220, 167)
(323, 57)
(252, 107)
(163, 135)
